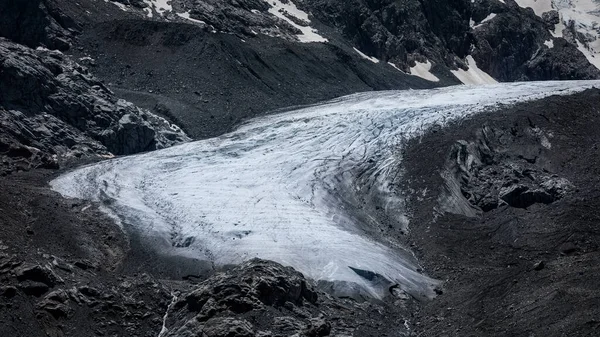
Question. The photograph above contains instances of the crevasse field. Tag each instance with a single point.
(300, 188)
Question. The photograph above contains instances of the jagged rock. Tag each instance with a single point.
(259, 298)
(36, 23)
(568, 248)
(33, 288)
(56, 303)
(318, 327)
(510, 47)
(52, 108)
(483, 174)
(539, 265)
(89, 291)
(36, 273)
(287, 325)
(256, 285)
(8, 292)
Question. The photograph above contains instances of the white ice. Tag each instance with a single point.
(291, 187)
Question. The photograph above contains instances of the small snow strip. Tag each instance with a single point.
(366, 57)
(589, 54)
(186, 15)
(118, 4)
(488, 18)
(395, 67)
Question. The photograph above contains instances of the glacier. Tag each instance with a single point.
(307, 188)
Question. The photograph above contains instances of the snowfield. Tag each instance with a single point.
(306, 188)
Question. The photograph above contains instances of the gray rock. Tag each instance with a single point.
(228, 327)
(36, 23)
(261, 298)
(33, 288)
(36, 273)
(52, 109)
(56, 303)
(318, 327)
(485, 174)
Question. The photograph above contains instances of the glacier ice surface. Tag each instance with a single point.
(293, 187)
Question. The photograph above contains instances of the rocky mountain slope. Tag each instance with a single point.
(502, 206)
(52, 109)
(511, 223)
(208, 65)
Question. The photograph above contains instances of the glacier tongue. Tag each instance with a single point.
(295, 187)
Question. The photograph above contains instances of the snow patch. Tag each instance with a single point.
(423, 70)
(186, 15)
(590, 53)
(280, 9)
(538, 6)
(488, 18)
(585, 17)
(549, 43)
(160, 6)
(474, 75)
(366, 57)
(118, 4)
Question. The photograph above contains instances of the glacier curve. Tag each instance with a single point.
(298, 188)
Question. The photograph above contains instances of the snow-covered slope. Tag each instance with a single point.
(296, 188)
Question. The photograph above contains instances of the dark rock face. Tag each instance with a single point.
(36, 23)
(210, 82)
(510, 47)
(523, 271)
(245, 17)
(493, 171)
(400, 31)
(52, 107)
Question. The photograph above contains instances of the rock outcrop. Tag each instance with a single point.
(36, 23)
(518, 45)
(264, 298)
(492, 171)
(52, 108)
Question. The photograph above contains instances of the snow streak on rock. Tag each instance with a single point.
(582, 16)
(306, 188)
